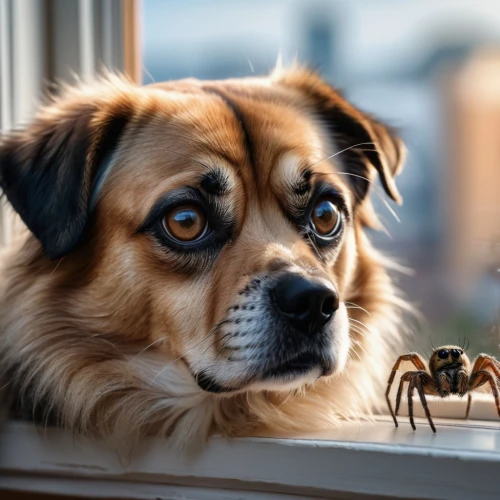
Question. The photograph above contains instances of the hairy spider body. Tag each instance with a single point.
(449, 372)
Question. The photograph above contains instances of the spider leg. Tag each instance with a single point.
(402, 381)
(481, 377)
(419, 364)
(404, 378)
(420, 388)
(484, 361)
(469, 401)
(411, 386)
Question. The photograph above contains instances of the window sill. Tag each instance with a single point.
(461, 461)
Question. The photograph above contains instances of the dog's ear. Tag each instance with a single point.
(367, 145)
(47, 169)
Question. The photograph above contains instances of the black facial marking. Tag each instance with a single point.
(47, 173)
(208, 384)
(303, 186)
(108, 142)
(215, 182)
(239, 116)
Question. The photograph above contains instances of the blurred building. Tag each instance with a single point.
(473, 177)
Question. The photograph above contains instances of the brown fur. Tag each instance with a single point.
(74, 329)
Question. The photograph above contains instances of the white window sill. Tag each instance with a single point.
(461, 461)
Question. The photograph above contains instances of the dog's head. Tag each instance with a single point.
(216, 222)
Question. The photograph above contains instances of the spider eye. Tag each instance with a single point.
(455, 353)
(443, 353)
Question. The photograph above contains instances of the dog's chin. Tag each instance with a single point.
(286, 381)
(300, 370)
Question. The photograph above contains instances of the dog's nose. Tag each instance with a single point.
(308, 305)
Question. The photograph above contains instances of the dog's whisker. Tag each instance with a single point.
(357, 329)
(148, 74)
(376, 191)
(99, 337)
(248, 346)
(352, 350)
(311, 240)
(146, 348)
(343, 151)
(218, 340)
(283, 403)
(367, 329)
(57, 265)
(356, 306)
(358, 344)
(5, 385)
(375, 187)
(308, 233)
(229, 334)
(222, 347)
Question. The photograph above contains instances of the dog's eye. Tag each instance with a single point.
(185, 223)
(326, 220)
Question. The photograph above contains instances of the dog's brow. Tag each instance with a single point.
(226, 159)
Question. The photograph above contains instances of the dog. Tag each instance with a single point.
(194, 259)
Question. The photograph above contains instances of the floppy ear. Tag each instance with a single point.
(47, 170)
(373, 146)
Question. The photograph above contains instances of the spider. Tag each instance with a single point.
(449, 373)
